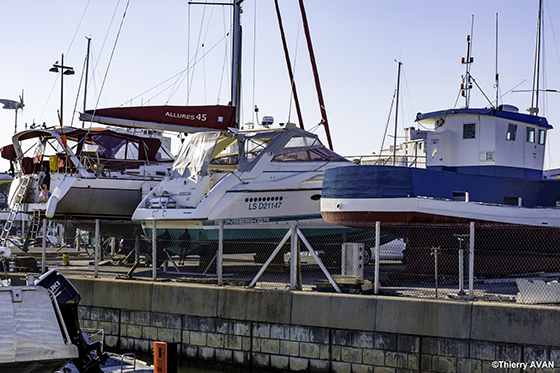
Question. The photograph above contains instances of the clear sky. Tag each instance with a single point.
(356, 44)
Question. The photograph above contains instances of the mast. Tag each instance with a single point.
(86, 77)
(289, 64)
(497, 84)
(236, 61)
(467, 83)
(534, 109)
(397, 112)
(315, 75)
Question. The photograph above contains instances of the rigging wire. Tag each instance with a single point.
(224, 62)
(198, 43)
(112, 54)
(294, 78)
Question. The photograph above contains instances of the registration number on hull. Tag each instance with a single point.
(265, 205)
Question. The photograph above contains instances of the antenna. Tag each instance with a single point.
(534, 109)
(497, 84)
(467, 84)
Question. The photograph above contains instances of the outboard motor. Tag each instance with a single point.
(90, 354)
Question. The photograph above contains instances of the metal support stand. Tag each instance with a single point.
(154, 251)
(435, 252)
(219, 264)
(461, 238)
(376, 257)
(97, 244)
(471, 262)
(44, 248)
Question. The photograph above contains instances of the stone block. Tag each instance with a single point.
(242, 328)
(396, 359)
(97, 314)
(341, 337)
(443, 364)
(185, 299)
(344, 311)
(206, 353)
(142, 345)
(515, 323)
(299, 333)
(426, 362)
(340, 367)
(278, 362)
(483, 350)
(536, 353)
(111, 341)
(319, 366)
(362, 339)
(186, 337)
(141, 318)
(232, 303)
(190, 352)
(84, 313)
(134, 331)
(169, 335)
(351, 354)
(224, 326)
(261, 360)
(89, 324)
(507, 352)
(126, 317)
(446, 347)
(309, 350)
(198, 338)
(424, 317)
(119, 294)
(241, 357)
(408, 343)
(298, 364)
(335, 353)
(224, 356)
(159, 320)
(111, 328)
(373, 357)
(413, 361)
(233, 342)
(279, 331)
(469, 366)
(289, 348)
(256, 347)
(384, 370)
(149, 333)
(360, 368)
(215, 340)
(273, 307)
(324, 352)
(319, 335)
(385, 341)
(261, 330)
(191, 323)
(270, 346)
(246, 343)
(207, 324)
(126, 343)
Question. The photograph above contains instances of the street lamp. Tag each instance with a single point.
(64, 70)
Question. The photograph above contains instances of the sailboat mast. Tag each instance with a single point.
(236, 61)
(534, 109)
(289, 65)
(396, 112)
(497, 75)
(315, 74)
(86, 75)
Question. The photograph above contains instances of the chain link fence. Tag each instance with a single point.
(487, 262)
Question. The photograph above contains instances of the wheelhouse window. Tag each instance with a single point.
(512, 132)
(542, 137)
(530, 134)
(469, 130)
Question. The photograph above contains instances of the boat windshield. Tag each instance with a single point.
(195, 154)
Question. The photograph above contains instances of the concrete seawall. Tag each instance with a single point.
(321, 332)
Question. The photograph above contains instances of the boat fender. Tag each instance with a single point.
(51, 207)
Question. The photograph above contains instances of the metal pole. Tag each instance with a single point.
(471, 262)
(220, 258)
(376, 256)
(461, 275)
(136, 248)
(154, 251)
(44, 250)
(61, 88)
(294, 252)
(97, 242)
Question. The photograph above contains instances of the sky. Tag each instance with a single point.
(140, 51)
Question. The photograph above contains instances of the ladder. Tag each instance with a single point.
(14, 207)
(33, 230)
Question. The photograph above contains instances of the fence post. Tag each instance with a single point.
(376, 257)
(154, 250)
(96, 254)
(219, 268)
(44, 250)
(294, 258)
(471, 262)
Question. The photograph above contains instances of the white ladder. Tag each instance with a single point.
(14, 207)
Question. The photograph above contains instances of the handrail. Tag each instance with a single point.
(133, 359)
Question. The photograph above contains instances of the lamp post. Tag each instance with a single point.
(64, 70)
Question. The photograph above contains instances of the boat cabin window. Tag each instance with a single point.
(530, 134)
(512, 132)
(311, 155)
(469, 130)
(542, 136)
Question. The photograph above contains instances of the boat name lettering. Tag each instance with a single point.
(185, 193)
(243, 221)
(265, 205)
(200, 117)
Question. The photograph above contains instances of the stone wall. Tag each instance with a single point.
(320, 332)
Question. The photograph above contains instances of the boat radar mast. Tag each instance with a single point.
(466, 84)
